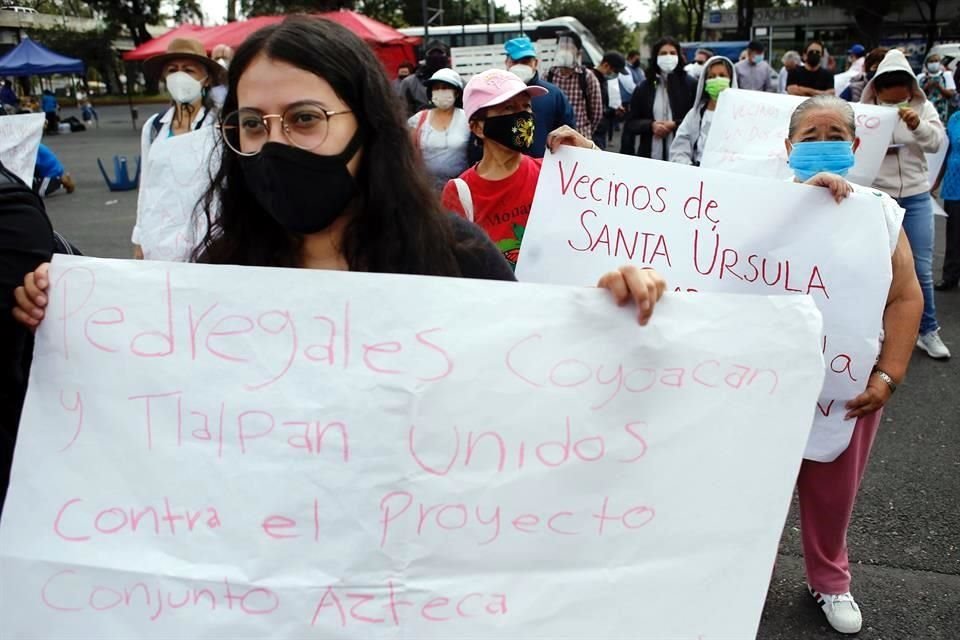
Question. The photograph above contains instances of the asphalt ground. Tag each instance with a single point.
(905, 536)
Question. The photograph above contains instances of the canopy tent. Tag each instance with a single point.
(391, 46)
(31, 59)
(159, 44)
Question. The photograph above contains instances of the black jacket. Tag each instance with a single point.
(26, 241)
(681, 89)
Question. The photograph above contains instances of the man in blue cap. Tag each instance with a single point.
(550, 111)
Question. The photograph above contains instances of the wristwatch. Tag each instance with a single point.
(883, 375)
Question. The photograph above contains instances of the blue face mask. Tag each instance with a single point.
(810, 158)
(758, 58)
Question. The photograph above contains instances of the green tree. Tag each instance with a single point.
(72, 8)
(601, 17)
(188, 11)
(386, 11)
(674, 22)
(277, 7)
(869, 16)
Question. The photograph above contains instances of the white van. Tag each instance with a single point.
(949, 54)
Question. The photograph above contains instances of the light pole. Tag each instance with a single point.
(659, 18)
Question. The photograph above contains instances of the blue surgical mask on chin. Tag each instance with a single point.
(810, 158)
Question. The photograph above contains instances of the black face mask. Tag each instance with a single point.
(635, 64)
(813, 58)
(514, 130)
(303, 191)
(870, 75)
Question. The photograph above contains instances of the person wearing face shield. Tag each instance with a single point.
(938, 85)
(811, 79)
(441, 132)
(550, 111)
(578, 83)
(904, 175)
(413, 88)
(660, 104)
(188, 75)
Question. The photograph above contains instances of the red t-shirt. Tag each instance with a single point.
(500, 207)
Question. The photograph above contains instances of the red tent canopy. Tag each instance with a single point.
(391, 46)
(159, 44)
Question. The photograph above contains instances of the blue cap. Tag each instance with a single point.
(857, 50)
(520, 48)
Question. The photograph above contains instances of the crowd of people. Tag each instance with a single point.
(394, 157)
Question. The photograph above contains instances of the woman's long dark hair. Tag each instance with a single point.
(653, 71)
(398, 227)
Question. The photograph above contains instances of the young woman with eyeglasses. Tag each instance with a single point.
(319, 171)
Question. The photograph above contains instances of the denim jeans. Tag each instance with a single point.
(918, 225)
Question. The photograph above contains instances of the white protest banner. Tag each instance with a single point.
(172, 184)
(842, 80)
(718, 232)
(19, 140)
(252, 453)
(749, 128)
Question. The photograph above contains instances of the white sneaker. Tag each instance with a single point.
(841, 610)
(933, 345)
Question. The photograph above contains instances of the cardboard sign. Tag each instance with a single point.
(176, 174)
(721, 232)
(19, 140)
(261, 453)
(749, 128)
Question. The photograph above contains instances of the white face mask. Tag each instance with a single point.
(668, 63)
(443, 99)
(523, 71)
(565, 58)
(183, 88)
(933, 67)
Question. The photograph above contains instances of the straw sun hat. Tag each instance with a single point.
(180, 49)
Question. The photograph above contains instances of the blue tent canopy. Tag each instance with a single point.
(30, 59)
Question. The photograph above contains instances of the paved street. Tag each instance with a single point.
(905, 537)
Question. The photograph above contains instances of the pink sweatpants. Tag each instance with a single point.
(827, 493)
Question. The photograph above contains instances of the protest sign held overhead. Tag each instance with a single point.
(749, 129)
(711, 231)
(204, 454)
(19, 140)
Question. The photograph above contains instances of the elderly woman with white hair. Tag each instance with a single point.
(791, 60)
(821, 146)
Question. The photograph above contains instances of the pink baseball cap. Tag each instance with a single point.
(493, 87)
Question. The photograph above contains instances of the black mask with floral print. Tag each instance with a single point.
(514, 130)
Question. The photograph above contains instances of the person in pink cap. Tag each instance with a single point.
(497, 192)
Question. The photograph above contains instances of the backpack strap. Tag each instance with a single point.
(466, 198)
(155, 126)
(420, 122)
(582, 77)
